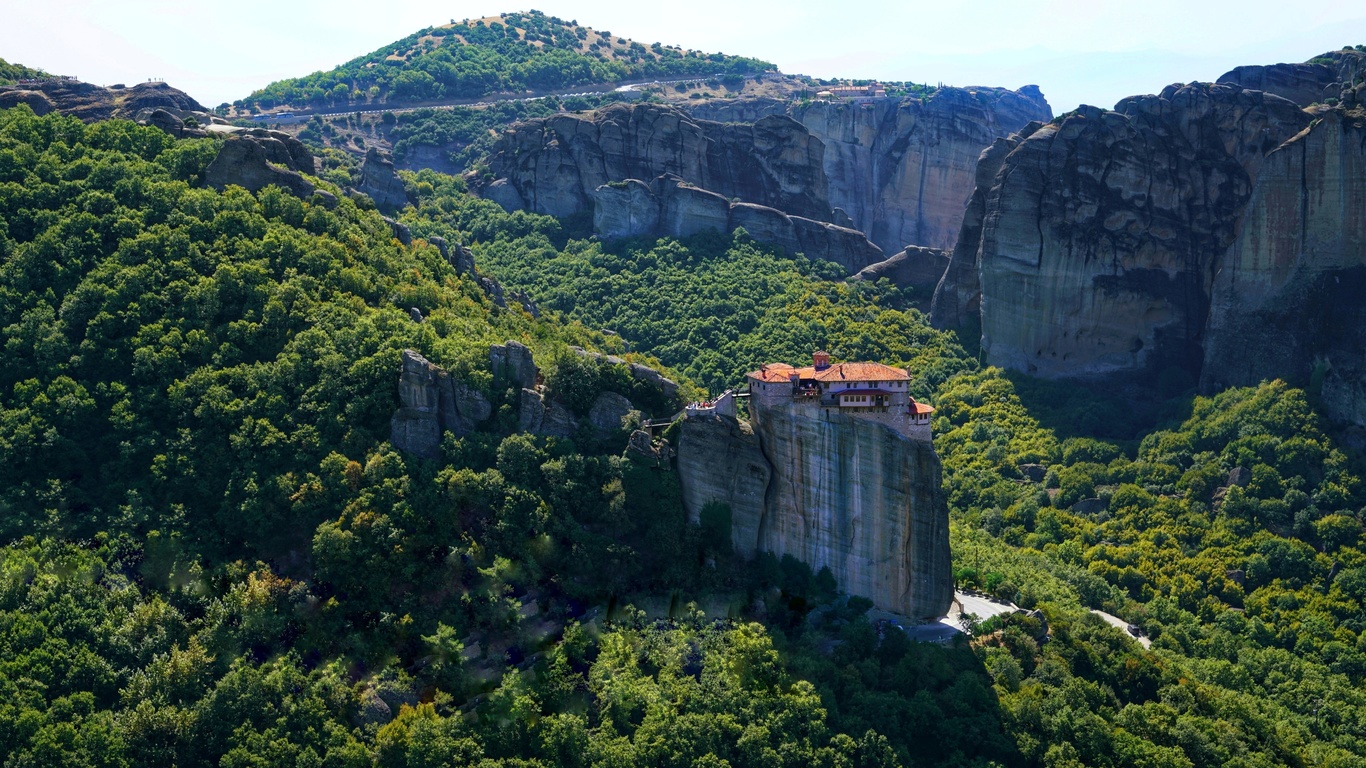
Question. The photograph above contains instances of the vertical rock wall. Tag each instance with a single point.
(837, 491)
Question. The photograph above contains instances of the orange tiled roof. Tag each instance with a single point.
(919, 408)
(772, 373)
(776, 372)
(855, 372)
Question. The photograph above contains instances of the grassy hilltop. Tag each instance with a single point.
(513, 52)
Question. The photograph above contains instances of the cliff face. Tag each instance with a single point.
(1100, 234)
(1212, 229)
(1312, 82)
(898, 171)
(839, 492)
(901, 169)
(553, 165)
(1287, 298)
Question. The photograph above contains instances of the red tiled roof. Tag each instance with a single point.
(855, 372)
(776, 372)
(772, 373)
(921, 408)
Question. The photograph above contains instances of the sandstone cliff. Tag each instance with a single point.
(1210, 229)
(837, 491)
(553, 165)
(1100, 232)
(1287, 299)
(902, 169)
(896, 170)
(1313, 82)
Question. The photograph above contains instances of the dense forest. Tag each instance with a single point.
(213, 556)
(511, 53)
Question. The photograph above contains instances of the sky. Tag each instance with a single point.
(1077, 52)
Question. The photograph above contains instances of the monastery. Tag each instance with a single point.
(868, 390)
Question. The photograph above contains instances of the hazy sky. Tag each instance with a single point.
(1092, 52)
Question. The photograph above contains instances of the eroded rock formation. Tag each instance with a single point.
(553, 165)
(90, 102)
(1210, 229)
(901, 169)
(833, 491)
(917, 268)
(672, 207)
(1287, 299)
(431, 403)
(379, 180)
(256, 158)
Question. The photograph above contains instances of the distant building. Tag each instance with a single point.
(870, 91)
(869, 390)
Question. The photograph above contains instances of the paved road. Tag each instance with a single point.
(1123, 626)
(946, 628)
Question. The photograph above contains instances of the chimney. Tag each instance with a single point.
(821, 360)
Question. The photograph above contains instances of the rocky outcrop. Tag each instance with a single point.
(833, 491)
(512, 364)
(916, 268)
(542, 415)
(91, 103)
(432, 403)
(721, 460)
(1100, 232)
(625, 209)
(1329, 76)
(1211, 230)
(380, 182)
(901, 169)
(610, 413)
(672, 207)
(37, 101)
(173, 125)
(1286, 300)
(553, 165)
(896, 171)
(257, 158)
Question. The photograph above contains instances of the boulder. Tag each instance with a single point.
(609, 412)
(1034, 473)
(1240, 476)
(400, 230)
(173, 125)
(917, 268)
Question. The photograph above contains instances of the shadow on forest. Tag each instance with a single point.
(1110, 410)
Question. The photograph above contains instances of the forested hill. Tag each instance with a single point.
(9, 73)
(510, 53)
